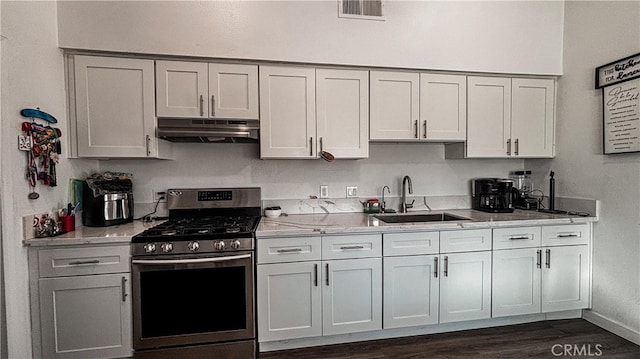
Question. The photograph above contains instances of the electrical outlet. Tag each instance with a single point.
(159, 195)
(352, 191)
(324, 191)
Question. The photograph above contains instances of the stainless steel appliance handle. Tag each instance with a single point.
(124, 289)
(509, 147)
(424, 134)
(189, 261)
(213, 106)
(352, 247)
(548, 258)
(416, 127)
(446, 266)
(78, 263)
(289, 250)
(435, 267)
(315, 274)
(201, 105)
(539, 258)
(517, 146)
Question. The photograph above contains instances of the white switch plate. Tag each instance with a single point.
(324, 191)
(352, 191)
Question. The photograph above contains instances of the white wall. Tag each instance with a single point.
(484, 36)
(32, 76)
(597, 33)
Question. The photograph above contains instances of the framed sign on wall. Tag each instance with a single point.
(620, 84)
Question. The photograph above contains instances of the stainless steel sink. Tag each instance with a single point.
(417, 218)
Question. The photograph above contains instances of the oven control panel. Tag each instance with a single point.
(191, 247)
(215, 196)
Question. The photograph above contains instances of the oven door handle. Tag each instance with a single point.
(188, 261)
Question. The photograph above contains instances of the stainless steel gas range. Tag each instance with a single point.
(193, 277)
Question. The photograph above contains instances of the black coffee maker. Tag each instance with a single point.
(494, 195)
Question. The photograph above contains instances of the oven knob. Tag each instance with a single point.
(193, 246)
(149, 247)
(219, 246)
(166, 247)
(235, 244)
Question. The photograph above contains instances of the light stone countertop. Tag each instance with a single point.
(310, 224)
(121, 233)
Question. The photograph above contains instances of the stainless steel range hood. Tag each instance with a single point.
(207, 130)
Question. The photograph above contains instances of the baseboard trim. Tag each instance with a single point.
(612, 326)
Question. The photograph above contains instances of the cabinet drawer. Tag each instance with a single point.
(354, 246)
(465, 240)
(563, 235)
(83, 261)
(280, 250)
(520, 237)
(401, 244)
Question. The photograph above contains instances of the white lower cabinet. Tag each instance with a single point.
(465, 286)
(516, 282)
(411, 291)
(565, 278)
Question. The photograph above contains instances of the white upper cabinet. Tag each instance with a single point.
(532, 117)
(202, 90)
(443, 107)
(112, 106)
(489, 116)
(181, 89)
(342, 112)
(395, 105)
(233, 91)
(510, 117)
(304, 111)
(287, 112)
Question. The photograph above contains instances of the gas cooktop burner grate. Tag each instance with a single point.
(194, 227)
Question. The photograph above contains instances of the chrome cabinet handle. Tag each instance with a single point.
(213, 106)
(320, 144)
(310, 146)
(516, 238)
(548, 258)
(289, 250)
(148, 144)
(446, 266)
(539, 258)
(79, 263)
(124, 289)
(517, 143)
(568, 235)
(424, 134)
(327, 269)
(435, 267)
(352, 247)
(201, 105)
(509, 147)
(416, 127)
(315, 274)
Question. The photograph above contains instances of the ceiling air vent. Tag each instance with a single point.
(361, 9)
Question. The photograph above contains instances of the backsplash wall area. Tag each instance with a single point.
(239, 165)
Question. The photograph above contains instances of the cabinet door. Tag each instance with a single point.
(289, 301)
(342, 112)
(115, 107)
(465, 286)
(351, 296)
(532, 117)
(233, 91)
(86, 316)
(411, 291)
(395, 105)
(287, 112)
(181, 89)
(443, 107)
(516, 282)
(565, 278)
(488, 116)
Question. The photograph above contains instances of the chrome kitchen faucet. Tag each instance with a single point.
(404, 206)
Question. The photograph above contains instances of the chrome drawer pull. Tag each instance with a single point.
(79, 263)
(289, 250)
(352, 247)
(516, 238)
(548, 258)
(539, 258)
(124, 289)
(446, 266)
(568, 235)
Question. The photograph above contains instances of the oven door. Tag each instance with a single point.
(185, 300)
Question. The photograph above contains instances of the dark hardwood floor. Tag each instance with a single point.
(572, 338)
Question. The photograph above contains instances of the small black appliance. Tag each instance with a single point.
(107, 202)
(494, 195)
